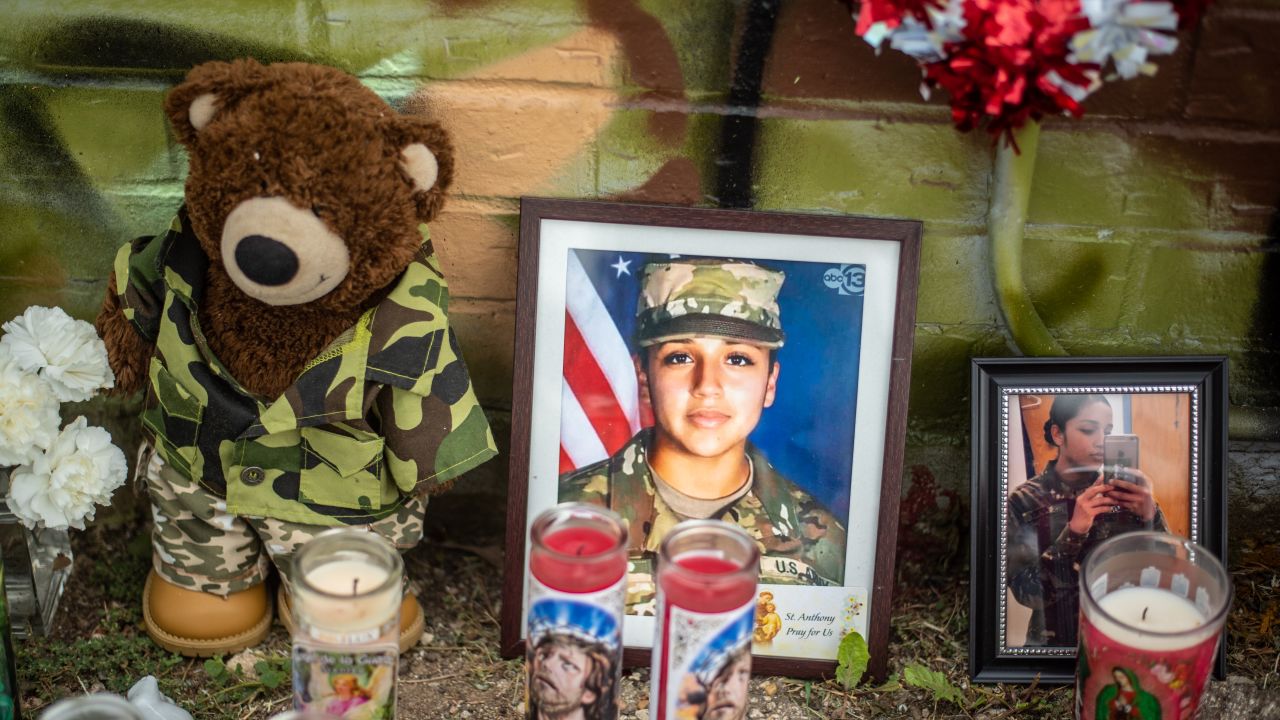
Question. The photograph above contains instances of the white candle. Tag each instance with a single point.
(1147, 616)
(347, 601)
(346, 577)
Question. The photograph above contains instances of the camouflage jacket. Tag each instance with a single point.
(1044, 554)
(800, 541)
(386, 410)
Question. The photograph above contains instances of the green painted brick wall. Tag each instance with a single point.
(1147, 225)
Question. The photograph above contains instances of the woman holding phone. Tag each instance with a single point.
(1055, 518)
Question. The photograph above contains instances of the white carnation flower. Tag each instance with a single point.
(64, 485)
(28, 413)
(67, 353)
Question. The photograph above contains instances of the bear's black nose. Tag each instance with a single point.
(266, 261)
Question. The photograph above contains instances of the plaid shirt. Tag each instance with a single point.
(1044, 554)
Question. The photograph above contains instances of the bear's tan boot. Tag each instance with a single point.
(200, 624)
(412, 621)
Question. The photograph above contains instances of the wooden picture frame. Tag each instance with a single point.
(1175, 406)
(837, 268)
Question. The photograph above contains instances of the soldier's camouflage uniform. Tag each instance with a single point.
(800, 541)
(385, 413)
(1044, 554)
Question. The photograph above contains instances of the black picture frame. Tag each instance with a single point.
(775, 237)
(995, 382)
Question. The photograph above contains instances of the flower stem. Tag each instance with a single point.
(1006, 218)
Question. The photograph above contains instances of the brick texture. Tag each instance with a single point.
(1149, 219)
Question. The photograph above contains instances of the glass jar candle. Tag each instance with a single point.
(347, 590)
(1152, 610)
(701, 661)
(577, 594)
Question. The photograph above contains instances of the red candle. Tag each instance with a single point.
(707, 571)
(577, 591)
(578, 559)
(711, 585)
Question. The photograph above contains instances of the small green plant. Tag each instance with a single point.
(935, 682)
(115, 656)
(890, 685)
(217, 670)
(851, 660)
(272, 673)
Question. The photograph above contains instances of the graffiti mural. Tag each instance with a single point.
(1149, 221)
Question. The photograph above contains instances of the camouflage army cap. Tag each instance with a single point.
(732, 299)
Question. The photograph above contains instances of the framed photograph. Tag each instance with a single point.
(1147, 435)
(752, 367)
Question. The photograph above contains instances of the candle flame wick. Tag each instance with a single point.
(581, 548)
(355, 584)
(1144, 612)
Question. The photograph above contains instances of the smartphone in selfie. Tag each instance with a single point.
(1119, 452)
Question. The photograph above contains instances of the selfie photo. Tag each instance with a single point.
(1070, 456)
(1084, 467)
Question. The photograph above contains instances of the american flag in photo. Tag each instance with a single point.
(600, 400)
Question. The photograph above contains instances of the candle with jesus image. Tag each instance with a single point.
(573, 641)
(701, 661)
(1152, 611)
(346, 603)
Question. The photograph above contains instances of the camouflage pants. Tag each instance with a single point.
(196, 544)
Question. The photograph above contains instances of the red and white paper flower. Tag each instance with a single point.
(1004, 62)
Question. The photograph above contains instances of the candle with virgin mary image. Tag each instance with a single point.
(1152, 610)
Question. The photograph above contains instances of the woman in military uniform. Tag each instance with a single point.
(706, 362)
(1055, 518)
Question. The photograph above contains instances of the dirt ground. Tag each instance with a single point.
(456, 671)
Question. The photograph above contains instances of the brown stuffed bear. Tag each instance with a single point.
(290, 329)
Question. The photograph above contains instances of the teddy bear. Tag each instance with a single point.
(290, 331)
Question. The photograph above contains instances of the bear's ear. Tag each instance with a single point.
(426, 159)
(210, 88)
